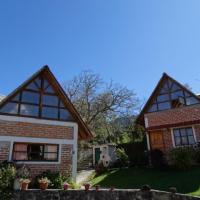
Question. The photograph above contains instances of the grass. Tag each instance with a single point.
(187, 182)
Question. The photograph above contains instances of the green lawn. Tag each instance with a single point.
(187, 182)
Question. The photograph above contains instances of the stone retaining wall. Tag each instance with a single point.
(98, 195)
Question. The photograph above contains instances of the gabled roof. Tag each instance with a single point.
(84, 132)
(165, 76)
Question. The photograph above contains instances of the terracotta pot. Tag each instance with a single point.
(87, 186)
(112, 188)
(44, 186)
(97, 187)
(66, 186)
(24, 186)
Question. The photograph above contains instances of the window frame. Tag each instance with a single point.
(43, 152)
(187, 136)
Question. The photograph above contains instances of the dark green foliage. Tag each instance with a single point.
(122, 157)
(7, 175)
(56, 179)
(136, 152)
(157, 158)
(182, 158)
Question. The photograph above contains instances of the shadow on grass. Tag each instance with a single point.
(185, 181)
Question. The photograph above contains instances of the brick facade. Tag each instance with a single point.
(24, 129)
(32, 130)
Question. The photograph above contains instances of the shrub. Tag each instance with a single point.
(56, 179)
(122, 158)
(157, 158)
(7, 175)
(182, 158)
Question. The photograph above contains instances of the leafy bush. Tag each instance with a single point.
(7, 175)
(197, 156)
(56, 179)
(122, 157)
(157, 158)
(182, 158)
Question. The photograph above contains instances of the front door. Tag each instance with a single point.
(156, 140)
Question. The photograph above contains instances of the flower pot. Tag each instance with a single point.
(24, 186)
(44, 186)
(66, 186)
(97, 187)
(112, 188)
(87, 186)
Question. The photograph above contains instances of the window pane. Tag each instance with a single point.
(153, 108)
(30, 97)
(35, 152)
(189, 131)
(20, 147)
(176, 95)
(38, 82)
(50, 90)
(16, 98)
(177, 141)
(176, 133)
(11, 108)
(32, 86)
(49, 112)
(175, 87)
(50, 100)
(164, 106)
(46, 84)
(51, 148)
(61, 104)
(191, 140)
(183, 132)
(20, 156)
(64, 114)
(184, 140)
(163, 97)
(50, 156)
(29, 110)
(191, 101)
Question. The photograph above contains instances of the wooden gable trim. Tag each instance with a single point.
(155, 92)
(84, 132)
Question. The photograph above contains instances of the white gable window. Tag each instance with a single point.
(183, 136)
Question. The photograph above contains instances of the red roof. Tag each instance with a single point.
(174, 117)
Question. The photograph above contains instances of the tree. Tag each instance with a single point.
(100, 103)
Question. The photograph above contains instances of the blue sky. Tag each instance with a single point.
(130, 41)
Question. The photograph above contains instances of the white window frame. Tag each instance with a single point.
(179, 127)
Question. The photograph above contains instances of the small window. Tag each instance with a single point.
(49, 112)
(11, 108)
(50, 100)
(29, 110)
(176, 95)
(164, 97)
(183, 136)
(153, 108)
(32, 86)
(191, 101)
(164, 106)
(30, 97)
(65, 115)
(175, 87)
(35, 152)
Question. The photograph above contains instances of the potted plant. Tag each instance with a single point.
(44, 183)
(87, 186)
(66, 186)
(24, 182)
(23, 172)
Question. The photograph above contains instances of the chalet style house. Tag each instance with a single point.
(40, 127)
(171, 116)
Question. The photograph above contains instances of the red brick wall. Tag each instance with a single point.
(25, 129)
(35, 130)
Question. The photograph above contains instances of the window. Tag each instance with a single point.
(183, 136)
(35, 152)
(30, 97)
(48, 112)
(29, 110)
(172, 95)
(11, 108)
(50, 100)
